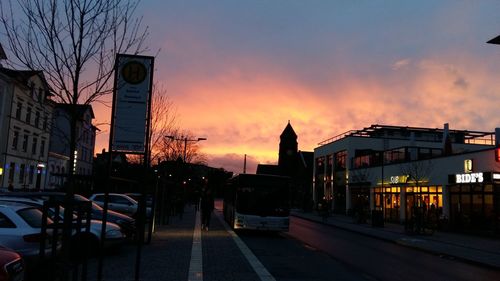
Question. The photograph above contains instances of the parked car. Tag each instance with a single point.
(119, 202)
(137, 197)
(12, 266)
(114, 235)
(126, 223)
(20, 230)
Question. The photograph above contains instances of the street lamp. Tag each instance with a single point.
(495, 40)
(185, 139)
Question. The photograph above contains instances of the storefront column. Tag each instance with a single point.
(402, 205)
(446, 201)
(348, 199)
(372, 198)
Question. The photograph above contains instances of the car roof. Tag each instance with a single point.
(20, 198)
(110, 193)
(14, 205)
(41, 194)
(27, 200)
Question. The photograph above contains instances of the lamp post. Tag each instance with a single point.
(186, 140)
(495, 40)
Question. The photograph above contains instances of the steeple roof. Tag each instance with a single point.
(288, 132)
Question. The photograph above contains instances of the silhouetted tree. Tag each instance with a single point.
(74, 43)
(174, 148)
(163, 123)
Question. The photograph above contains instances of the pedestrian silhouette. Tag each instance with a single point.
(207, 206)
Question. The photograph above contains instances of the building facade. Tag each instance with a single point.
(59, 151)
(403, 170)
(25, 114)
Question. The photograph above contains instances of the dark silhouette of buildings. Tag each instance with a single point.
(296, 164)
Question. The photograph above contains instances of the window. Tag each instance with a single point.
(12, 170)
(37, 119)
(25, 143)
(32, 89)
(34, 145)
(40, 95)
(42, 147)
(31, 172)
(19, 109)
(28, 115)
(84, 154)
(320, 162)
(340, 160)
(45, 121)
(5, 222)
(33, 217)
(22, 173)
(119, 200)
(15, 140)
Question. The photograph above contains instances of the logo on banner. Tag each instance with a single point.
(134, 72)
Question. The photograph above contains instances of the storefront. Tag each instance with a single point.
(423, 199)
(401, 199)
(360, 198)
(388, 199)
(475, 202)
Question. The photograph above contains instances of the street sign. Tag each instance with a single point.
(133, 80)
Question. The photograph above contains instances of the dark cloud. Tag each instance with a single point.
(234, 162)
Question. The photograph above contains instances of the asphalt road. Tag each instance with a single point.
(312, 251)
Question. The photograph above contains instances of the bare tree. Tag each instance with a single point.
(163, 123)
(74, 42)
(359, 175)
(418, 171)
(180, 144)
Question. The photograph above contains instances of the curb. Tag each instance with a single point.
(402, 242)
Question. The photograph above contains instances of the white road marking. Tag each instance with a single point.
(196, 263)
(257, 266)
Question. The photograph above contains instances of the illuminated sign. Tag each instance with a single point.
(496, 176)
(399, 179)
(1, 171)
(468, 166)
(469, 178)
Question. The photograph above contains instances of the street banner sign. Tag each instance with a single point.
(131, 103)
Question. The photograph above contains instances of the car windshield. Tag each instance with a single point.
(33, 217)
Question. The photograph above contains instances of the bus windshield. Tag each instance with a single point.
(263, 197)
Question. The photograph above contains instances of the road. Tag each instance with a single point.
(312, 251)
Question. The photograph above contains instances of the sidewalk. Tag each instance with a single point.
(472, 249)
(181, 251)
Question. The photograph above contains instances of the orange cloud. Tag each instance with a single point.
(243, 110)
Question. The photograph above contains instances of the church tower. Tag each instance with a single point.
(288, 151)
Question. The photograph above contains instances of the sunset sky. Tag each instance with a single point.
(237, 71)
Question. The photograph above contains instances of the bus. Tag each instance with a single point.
(257, 202)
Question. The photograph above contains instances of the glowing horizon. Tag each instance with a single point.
(237, 74)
